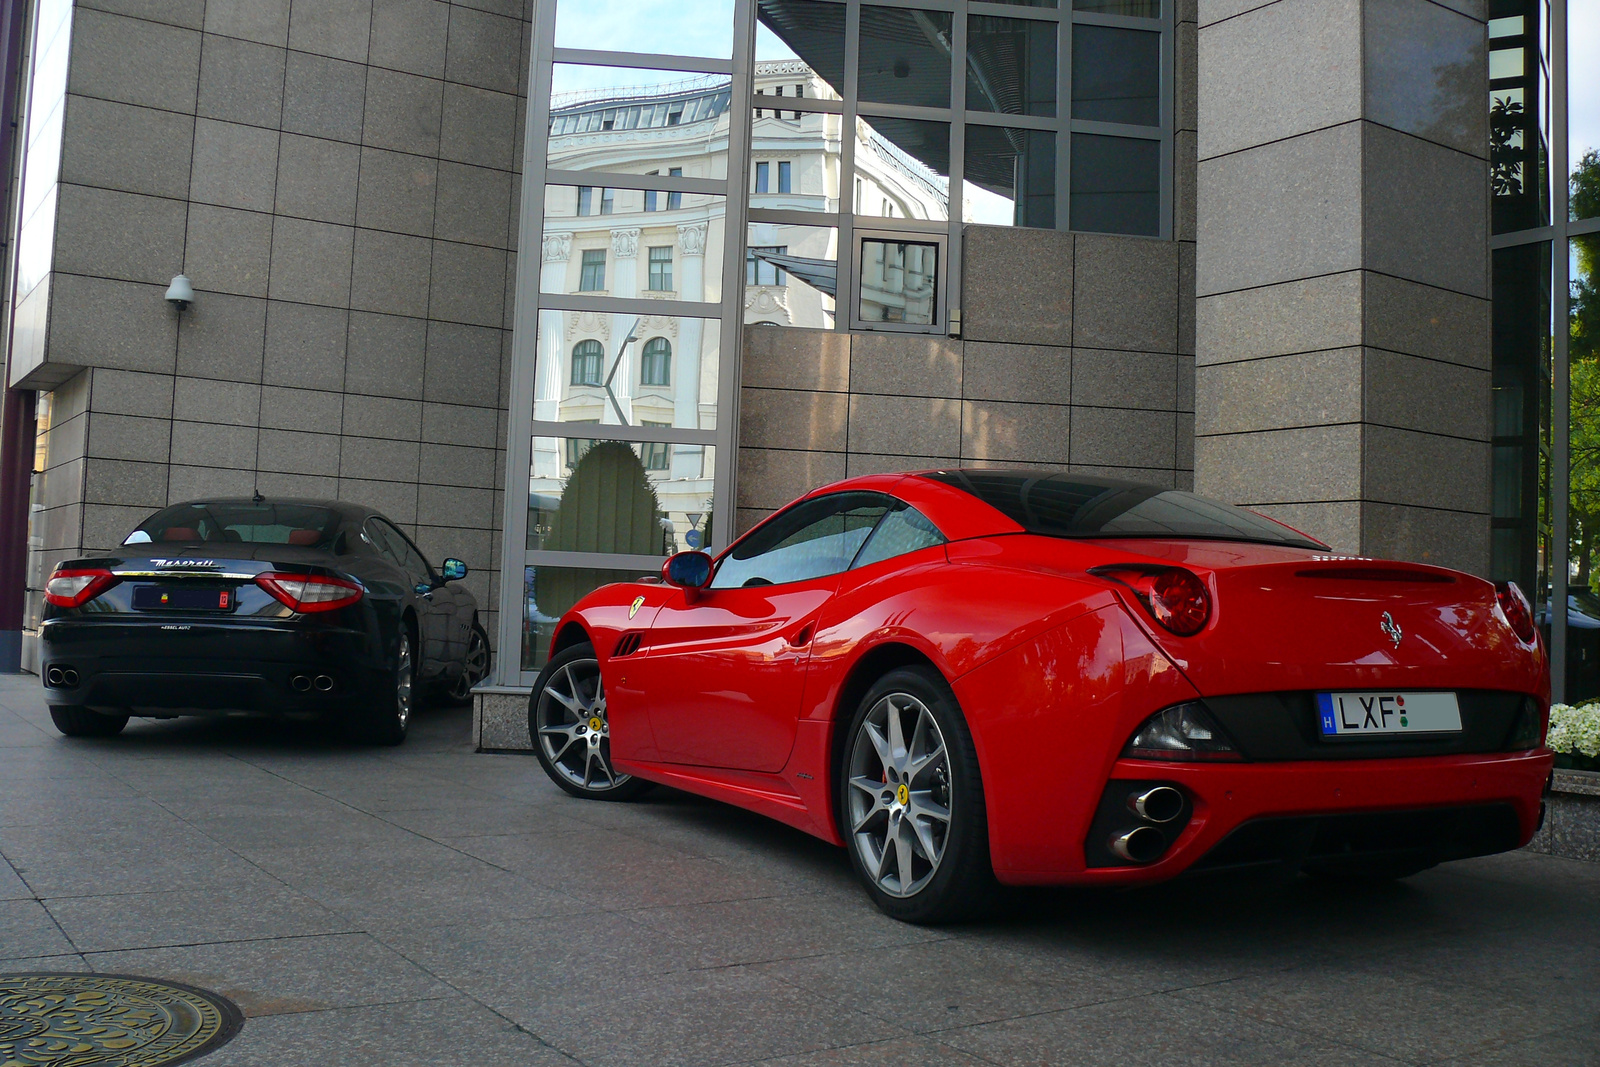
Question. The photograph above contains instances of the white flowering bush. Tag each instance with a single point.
(1575, 731)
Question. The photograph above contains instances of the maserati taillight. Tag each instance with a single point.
(310, 592)
(1516, 610)
(1174, 597)
(75, 588)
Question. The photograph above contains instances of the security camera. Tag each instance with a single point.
(180, 294)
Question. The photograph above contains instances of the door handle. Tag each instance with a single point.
(802, 637)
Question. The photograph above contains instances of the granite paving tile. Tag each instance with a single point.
(287, 974)
(150, 920)
(27, 930)
(922, 1051)
(440, 1033)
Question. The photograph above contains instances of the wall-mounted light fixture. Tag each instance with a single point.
(180, 294)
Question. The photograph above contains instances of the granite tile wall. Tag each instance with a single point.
(1342, 277)
(339, 180)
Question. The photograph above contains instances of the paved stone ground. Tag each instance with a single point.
(427, 905)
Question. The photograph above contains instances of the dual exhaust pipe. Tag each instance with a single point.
(62, 677)
(305, 683)
(1145, 844)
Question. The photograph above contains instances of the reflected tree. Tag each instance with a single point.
(608, 504)
(1583, 348)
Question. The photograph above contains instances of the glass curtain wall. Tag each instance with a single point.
(879, 129)
(621, 372)
(1544, 164)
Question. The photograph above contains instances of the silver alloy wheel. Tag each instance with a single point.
(402, 683)
(899, 795)
(573, 731)
(474, 667)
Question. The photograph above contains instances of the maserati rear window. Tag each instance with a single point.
(238, 523)
(1083, 506)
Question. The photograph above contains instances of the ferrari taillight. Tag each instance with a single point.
(1516, 609)
(1174, 597)
(310, 592)
(75, 588)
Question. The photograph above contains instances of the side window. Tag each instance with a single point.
(904, 529)
(814, 539)
(413, 560)
(377, 535)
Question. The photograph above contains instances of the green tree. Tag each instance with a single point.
(607, 505)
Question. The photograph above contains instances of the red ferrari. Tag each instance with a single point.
(1036, 678)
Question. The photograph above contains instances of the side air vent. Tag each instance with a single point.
(628, 644)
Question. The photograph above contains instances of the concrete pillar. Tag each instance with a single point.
(687, 461)
(1342, 332)
(624, 283)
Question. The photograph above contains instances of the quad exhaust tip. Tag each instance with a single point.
(301, 683)
(1161, 804)
(323, 683)
(62, 677)
(1142, 844)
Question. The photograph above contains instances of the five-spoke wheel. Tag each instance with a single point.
(569, 729)
(912, 800)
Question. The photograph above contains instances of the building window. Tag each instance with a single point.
(657, 455)
(784, 169)
(651, 203)
(578, 446)
(586, 359)
(763, 176)
(759, 271)
(608, 201)
(585, 200)
(674, 200)
(657, 366)
(593, 277)
(661, 269)
(899, 282)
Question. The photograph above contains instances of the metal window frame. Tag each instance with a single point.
(940, 240)
(1559, 236)
(530, 302)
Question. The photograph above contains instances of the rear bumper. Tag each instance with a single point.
(1247, 814)
(210, 667)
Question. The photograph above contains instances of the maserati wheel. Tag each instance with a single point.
(569, 729)
(912, 801)
(387, 723)
(474, 668)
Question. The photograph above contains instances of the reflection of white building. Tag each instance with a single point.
(661, 370)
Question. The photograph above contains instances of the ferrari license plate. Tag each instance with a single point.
(174, 598)
(1387, 714)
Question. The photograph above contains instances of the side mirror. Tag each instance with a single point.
(690, 571)
(453, 570)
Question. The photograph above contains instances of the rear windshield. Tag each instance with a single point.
(1075, 505)
(241, 523)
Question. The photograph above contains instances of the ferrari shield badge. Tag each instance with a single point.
(638, 602)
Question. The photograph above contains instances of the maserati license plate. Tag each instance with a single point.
(1387, 714)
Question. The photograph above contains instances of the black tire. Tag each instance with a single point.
(567, 698)
(389, 721)
(82, 722)
(902, 795)
(474, 667)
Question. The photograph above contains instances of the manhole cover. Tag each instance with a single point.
(108, 1020)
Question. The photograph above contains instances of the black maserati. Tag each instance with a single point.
(282, 607)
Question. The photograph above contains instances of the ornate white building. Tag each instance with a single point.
(661, 370)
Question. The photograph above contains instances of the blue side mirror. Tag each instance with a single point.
(690, 570)
(453, 570)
